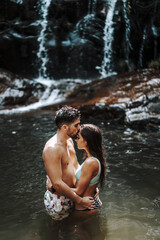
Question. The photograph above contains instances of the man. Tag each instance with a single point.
(61, 163)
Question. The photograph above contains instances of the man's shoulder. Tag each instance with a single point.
(52, 151)
(53, 148)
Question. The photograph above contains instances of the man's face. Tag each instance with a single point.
(74, 128)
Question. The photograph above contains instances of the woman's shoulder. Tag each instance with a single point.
(92, 161)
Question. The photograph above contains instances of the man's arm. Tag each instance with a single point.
(52, 161)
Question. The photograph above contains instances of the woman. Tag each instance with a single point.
(92, 171)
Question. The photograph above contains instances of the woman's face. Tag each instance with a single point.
(81, 143)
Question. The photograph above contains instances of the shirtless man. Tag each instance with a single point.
(61, 163)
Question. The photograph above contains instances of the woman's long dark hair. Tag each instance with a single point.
(93, 136)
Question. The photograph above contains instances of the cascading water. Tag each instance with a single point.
(142, 48)
(51, 94)
(54, 90)
(42, 53)
(92, 6)
(106, 68)
(127, 44)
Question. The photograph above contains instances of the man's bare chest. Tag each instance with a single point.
(68, 158)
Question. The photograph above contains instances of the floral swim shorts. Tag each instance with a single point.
(58, 207)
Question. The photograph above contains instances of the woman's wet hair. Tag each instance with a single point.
(93, 136)
(66, 115)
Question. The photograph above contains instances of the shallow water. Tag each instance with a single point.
(131, 196)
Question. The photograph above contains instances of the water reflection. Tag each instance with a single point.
(131, 197)
(77, 226)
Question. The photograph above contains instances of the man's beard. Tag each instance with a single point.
(74, 136)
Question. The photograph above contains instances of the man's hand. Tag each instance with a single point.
(87, 202)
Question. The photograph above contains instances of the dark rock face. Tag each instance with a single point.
(74, 39)
(18, 39)
(144, 18)
(77, 55)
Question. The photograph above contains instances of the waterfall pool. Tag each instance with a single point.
(131, 196)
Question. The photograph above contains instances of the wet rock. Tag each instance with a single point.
(111, 114)
(130, 98)
(17, 91)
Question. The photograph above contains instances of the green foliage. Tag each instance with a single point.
(155, 64)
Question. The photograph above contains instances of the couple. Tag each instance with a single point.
(67, 181)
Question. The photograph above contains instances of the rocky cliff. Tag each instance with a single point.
(73, 38)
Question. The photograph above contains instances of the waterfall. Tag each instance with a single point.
(54, 90)
(42, 53)
(127, 34)
(49, 98)
(106, 68)
(92, 6)
(142, 48)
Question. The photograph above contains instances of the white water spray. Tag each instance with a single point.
(42, 53)
(54, 94)
(106, 68)
(53, 98)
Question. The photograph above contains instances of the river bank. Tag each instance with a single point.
(131, 98)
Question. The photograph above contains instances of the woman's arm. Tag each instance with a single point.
(52, 161)
(88, 170)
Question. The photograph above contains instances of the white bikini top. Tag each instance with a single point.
(95, 179)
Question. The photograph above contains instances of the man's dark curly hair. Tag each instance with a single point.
(66, 115)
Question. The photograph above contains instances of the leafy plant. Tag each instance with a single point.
(155, 64)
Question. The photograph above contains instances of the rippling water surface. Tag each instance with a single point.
(131, 196)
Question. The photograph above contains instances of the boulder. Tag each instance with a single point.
(18, 91)
(129, 98)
